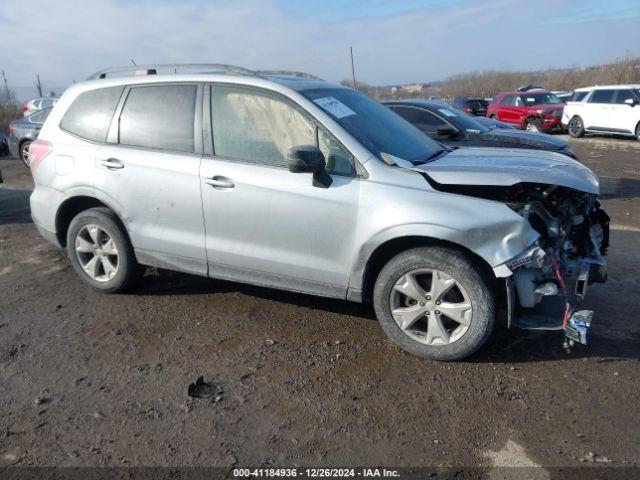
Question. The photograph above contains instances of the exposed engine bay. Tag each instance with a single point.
(551, 277)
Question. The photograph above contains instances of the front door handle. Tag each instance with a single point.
(112, 163)
(219, 182)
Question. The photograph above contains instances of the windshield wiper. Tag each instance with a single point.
(435, 155)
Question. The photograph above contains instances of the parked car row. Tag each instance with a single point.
(24, 131)
(294, 183)
(604, 110)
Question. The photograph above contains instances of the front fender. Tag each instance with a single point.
(495, 242)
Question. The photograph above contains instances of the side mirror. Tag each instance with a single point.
(309, 159)
(447, 132)
(630, 101)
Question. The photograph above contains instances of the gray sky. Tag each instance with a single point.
(398, 41)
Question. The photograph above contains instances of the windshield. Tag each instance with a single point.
(463, 120)
(374, 125)
(540, 99)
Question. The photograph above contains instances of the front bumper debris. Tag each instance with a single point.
(576, 328)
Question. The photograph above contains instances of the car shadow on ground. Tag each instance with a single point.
(14, 206)
(619, 188)
(504, 346)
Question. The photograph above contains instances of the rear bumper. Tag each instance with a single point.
(44, 202)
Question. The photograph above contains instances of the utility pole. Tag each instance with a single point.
(39, 86)
(353, 70)
(6, 85)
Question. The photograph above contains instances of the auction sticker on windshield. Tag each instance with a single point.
(334, 107)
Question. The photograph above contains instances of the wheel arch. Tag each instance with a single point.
(392, 247)
(72, 207)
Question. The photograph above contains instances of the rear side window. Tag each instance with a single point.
(159, 116)
(602, 96)
(578, 96)
(89, 116)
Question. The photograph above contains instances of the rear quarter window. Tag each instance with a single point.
(89, 116)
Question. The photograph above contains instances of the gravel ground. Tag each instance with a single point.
(88, 379)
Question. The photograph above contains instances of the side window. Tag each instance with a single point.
(424, 120)
(602, 96)
(46, 103)
(256, 126)
(159, 116)
(578, 96)
(518, 102)
(507, 100)
(89, 116)
(623, 95)
(339, 161)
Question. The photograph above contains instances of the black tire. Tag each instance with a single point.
(638, 132)
(575, 127)
(532, 124)
(466, 272)
(128, 271)
(24, 147)
(493, 116)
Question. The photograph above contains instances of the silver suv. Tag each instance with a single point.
(290, 182)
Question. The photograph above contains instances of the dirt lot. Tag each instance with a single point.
(89, 379)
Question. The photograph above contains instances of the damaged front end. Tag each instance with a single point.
(552, 276)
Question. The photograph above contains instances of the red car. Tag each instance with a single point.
(535, 111)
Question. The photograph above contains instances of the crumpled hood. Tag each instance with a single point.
(522, 138)
(507, 167)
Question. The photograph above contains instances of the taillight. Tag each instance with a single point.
(38, 150)
(467, 109)
(11, 128)
(25, 107)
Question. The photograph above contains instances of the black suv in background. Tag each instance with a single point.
(454, 128)
(474, 106)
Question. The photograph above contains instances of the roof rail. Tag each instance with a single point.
(287, 73)
(153, 69)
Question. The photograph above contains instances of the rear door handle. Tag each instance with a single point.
(219, 182)
(112, 163)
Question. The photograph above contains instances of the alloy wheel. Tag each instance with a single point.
(97, 253)
(24, 153)
(574, 127)
(431, 307)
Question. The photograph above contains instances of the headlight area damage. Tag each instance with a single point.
(551, 277)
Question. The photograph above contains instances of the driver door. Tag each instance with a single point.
(264, 224)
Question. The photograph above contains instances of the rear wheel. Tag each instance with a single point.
(638, 132)
(533, 125)
(24, 152)
(576, 127)
(435, 303)
(100, 251)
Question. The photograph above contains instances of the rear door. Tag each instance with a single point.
(149, 171)
(264, 224)
(597, 110)
(505, 109)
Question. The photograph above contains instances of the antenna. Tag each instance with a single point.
(353, 70)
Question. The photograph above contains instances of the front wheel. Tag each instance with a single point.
(638, 132)
(435, 303)
(575, 127)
